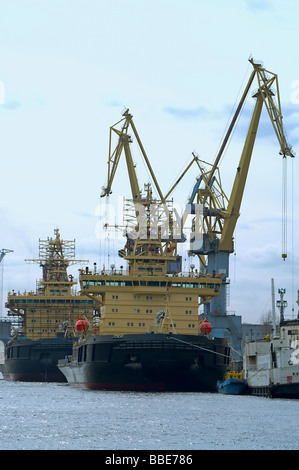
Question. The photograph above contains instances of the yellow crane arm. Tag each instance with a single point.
(114, 156)
(147, 161)
(265, 80)
(232, 212)
(264, 95)
(124, 140)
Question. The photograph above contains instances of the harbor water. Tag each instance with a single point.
(40, 416)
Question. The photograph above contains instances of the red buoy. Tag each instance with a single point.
(81, 324)
(205, 327)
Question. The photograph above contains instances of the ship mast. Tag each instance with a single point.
(55, 256)
(281, 304)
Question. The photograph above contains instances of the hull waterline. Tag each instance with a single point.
(155, 362)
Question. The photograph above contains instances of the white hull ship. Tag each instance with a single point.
(271, 366)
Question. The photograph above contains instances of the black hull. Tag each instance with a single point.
(154, 362)
(35, 361)
(290, 390)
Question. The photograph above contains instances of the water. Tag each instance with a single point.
(58, 417)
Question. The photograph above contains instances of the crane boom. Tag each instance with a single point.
(124, 140)
(123, 144)
(231, 126)
(233, 209)
(264, 95)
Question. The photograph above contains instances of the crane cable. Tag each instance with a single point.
(284, 208)
(284, 219)
(292, 208)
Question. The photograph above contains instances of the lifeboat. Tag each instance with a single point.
(81, 324)
(205, 327)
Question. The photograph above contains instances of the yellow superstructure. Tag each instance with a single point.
(54, 307)
(140, 304)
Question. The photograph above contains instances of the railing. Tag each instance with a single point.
(126, 272)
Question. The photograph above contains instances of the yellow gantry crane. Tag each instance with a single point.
(220, 213)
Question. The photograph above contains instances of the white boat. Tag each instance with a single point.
(271, 366)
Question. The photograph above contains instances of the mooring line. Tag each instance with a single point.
(199, 347)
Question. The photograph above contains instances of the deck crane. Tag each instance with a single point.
(220, 213)
(153, 228)
(3, 252)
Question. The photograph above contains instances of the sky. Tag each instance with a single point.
(69, 68)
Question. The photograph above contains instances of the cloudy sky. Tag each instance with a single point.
(68, 68)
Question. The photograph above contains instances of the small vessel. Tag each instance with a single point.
(148, 335)
(271, 366)
(44, 329)
(233, 383)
